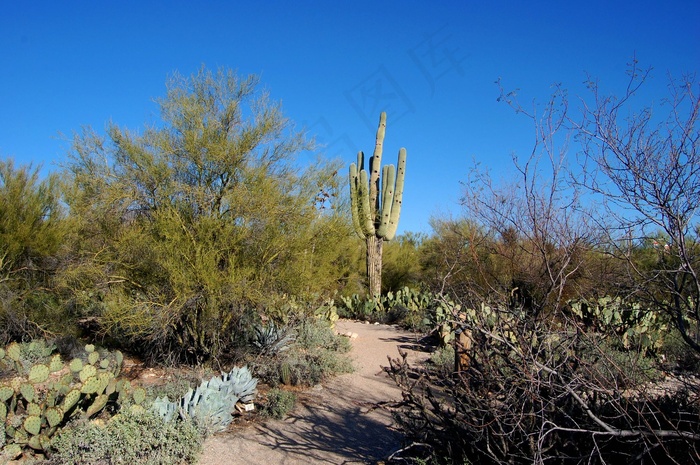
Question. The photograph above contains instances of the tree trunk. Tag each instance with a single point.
(374, 264)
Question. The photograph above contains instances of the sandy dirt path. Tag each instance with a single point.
(332, 423)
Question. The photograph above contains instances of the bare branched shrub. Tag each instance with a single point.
(643, 164)
(542, 383)
(547, 394)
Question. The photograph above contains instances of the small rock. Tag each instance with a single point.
(353, 335)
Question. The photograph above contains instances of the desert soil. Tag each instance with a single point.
(333, 423)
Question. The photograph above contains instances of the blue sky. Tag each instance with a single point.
(335, 66)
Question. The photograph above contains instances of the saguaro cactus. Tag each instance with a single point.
(375, 212)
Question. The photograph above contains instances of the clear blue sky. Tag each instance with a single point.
(335, 65)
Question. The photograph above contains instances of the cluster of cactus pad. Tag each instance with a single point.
(37, 402)
(410, 299)
(212, 404)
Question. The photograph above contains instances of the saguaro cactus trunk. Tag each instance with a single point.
(375, 211)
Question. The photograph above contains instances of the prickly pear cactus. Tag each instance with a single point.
(56, 364)
(87, 372)
(44, 396)
(70, 400)
(139, 395)
(54, 416)
(76, 365)
(38, 374)
(13, 352)
(32, 424)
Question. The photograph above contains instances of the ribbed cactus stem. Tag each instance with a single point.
(388, 181)
(397, 199)
(367, 213)
(376, 163)
(354, 189)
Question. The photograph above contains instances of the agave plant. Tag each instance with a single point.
(211, 405)
(270, 339)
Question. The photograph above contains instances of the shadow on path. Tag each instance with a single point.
(332, 434)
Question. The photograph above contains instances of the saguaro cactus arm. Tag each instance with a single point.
(398, 195)
(375, 211)
(391, 208)
(367, 213)
(376, 163)
(354, 205)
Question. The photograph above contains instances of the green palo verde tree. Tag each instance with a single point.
(375, 212)
(183, 228)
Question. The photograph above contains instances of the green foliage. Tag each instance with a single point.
(316, 354)
(179, 229)
(139, 439)
(401, 262)
(678, 356)
(31, 232)
(327, 312)
(278, 403)
(611, 365)
(30, 216)
(443, 361)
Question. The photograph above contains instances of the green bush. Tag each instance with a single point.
(32, 230)
(610, 365)
(182, 228)
(442, 361)
(316, 354)
(279, 403)
(133, 438)
(679, 356)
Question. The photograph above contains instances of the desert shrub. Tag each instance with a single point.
(319, 354)
(278, 403)
(401, 262)
(135, 438)
(32, 230)
(678, 356)
(181, 229)
(538, 392)
(313, 335)
(442, 361)
(611, 365)
(178, 385)
(315, 354)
